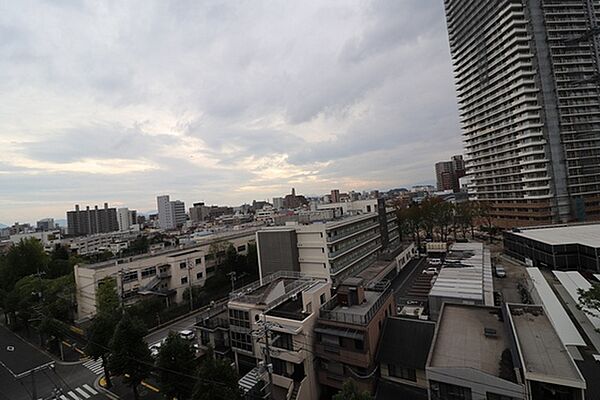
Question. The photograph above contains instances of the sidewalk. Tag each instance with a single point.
(122, 390)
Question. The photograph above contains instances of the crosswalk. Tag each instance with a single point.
(95, 366)
(79, 393)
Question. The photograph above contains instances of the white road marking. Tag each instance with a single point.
(83, 393)
(90, 389)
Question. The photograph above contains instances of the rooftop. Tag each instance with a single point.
(466, 274)
(358, 314)
(585, 234)
(291, 309)
(469, 337)
(170, 251)
(406, 342)
(545, 358)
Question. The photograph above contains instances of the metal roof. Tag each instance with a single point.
(573, 281)
(556, 313)
(587, 234)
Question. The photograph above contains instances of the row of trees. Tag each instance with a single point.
(436, 219)
(117, 338)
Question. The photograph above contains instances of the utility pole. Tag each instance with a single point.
(264, 330)
(189, 271)
(232, 277)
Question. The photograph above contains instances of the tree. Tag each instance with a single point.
(177, 366)
(107, 298)
(590, 300)
(129, 352)
(25, 258)
(55, 331)
(350, 391)
(217, 380)
(99, 335)
(217, 251)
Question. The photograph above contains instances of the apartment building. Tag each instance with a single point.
(448, 173)
(171, 214)
(126, 218)
(91, 221)
(333, 249)
(513, 352)
(284, 307)
(527, 83)
(348, 331)
(164, 273)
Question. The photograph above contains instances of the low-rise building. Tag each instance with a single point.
(166, 273)
(348, 331)
(48, 239)
(575, 246)
(514, 352)
(466, 277)
(402, 358)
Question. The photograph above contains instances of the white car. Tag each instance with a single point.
(500, 272)
(435, 261)
(155, 348)
(430, 271)
(187, 334)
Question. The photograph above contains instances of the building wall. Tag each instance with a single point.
(479, 382)
(421, 376)
(277, 250)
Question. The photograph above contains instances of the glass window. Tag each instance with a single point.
(241, 248)
(198, 261)
(322, 298)
(199, 275)
(402, 373)
(184, 280)
(147, 272)
(130, 276)
(182, 265)
(284, 341)
(446, 391)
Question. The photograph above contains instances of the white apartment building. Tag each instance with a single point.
(125, 218)
(351, 207)
(165, 273)
(331, 250)
(288, 303)
(171, 214)
(49, 239)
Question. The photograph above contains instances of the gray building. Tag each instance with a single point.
(171, 214)
(91, 221)
(529, 100)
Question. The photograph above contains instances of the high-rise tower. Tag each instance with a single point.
(526, 73)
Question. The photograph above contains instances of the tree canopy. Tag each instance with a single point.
(177, 367)
(217, 380)
(350, 391)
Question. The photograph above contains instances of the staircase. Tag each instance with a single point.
(294, 395)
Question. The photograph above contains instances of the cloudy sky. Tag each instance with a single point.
(218, 101)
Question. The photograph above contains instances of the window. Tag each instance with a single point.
(284, 341)
(446, 391)
(239, 318)
(198, 261)
(182, 265)
(184, 280)
(199, 275)
(241, 341)
(322, 298)
(130, 276)
(403, 373)
(368, 208)
(359, 344)
(330, 340)
(241, 248)
(147, 272)
(279, 367)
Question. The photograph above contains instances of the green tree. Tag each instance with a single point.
(350, 391)
(177, 367)
(217, 380)
(107, 297)
(99, 335)
(25, 258)
(129, 352)
(55, 331)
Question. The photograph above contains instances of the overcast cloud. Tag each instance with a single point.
(218, 101)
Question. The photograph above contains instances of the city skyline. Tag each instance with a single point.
(110, 103)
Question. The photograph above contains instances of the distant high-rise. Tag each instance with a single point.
(91, 221)
(126, 218)
(528, 91)
(45, 224)
(448, 173)
(335, 196)
(171, 214)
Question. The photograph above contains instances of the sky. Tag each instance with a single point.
(218, 101)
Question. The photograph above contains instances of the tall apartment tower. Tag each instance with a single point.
(91, 221)
(526, 73)
(171, 214)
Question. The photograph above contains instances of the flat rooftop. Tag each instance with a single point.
(170, 251)
(20, 357)
(545, 358)
(585, 234)
(291, 309)
(461, 341)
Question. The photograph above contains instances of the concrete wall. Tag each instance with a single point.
(277, 251)
(479, 382)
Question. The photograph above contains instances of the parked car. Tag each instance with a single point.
(187, 334)
(155, 348)
(500, 272)
(430, 271)
(435, 261)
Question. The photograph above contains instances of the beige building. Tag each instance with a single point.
(165, 273)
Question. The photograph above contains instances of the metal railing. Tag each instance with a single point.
(328, 311)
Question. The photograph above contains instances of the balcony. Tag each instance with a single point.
(361, 314)
(342, 233)
(354, 243)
